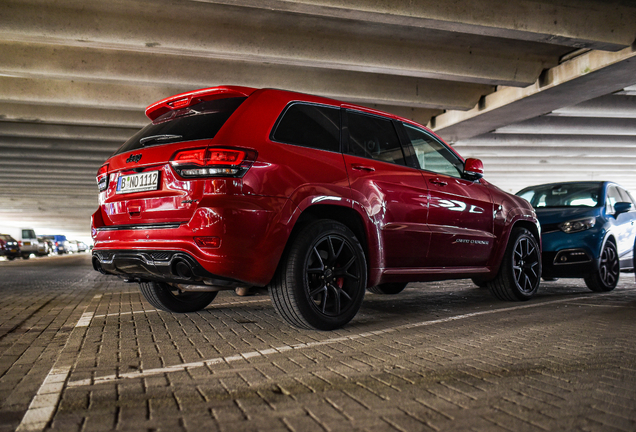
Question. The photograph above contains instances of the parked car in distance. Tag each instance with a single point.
(315, 198)
(9, 247)
(77, 246)
(27, 240)
(587, 230)
(72, 246)
(60, 243)
(45, 246)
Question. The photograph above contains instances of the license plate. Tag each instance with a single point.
(139, 182)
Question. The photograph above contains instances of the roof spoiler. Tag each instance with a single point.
(184, 100)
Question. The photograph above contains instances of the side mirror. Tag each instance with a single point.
(473, 169)
(622, 207)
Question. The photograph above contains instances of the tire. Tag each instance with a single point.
(11, 257)
(321, 279)
(388, 288)
(520, 271)
(170, 299)
(26, 256)
(480, 283)
(606, 277)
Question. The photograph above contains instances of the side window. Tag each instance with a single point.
(631, 199)
(625, 197)
(308, 125)
(433, 155)
(613, 196)
(374, 137)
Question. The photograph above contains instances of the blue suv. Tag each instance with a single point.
(587, 230)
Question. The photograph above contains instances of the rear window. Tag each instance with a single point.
(30, 234)
(200, 121)
(308, 125)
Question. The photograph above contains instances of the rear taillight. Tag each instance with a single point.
(213, 162)
(102, 178)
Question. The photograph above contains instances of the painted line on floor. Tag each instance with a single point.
(277, 350)
(600, 305)
(214, 306)
(44, 404)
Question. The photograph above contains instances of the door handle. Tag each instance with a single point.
(438, 182)
(362, 168)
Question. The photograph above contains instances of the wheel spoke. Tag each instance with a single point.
(322, 264)
(342, 244)
(336, 299)
(318, 290)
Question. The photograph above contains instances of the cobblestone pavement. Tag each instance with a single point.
(82, 351)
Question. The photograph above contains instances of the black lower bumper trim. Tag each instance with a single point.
(157, 265)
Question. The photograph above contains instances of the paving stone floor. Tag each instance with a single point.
(84, 352)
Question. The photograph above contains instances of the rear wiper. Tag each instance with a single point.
(163, 137)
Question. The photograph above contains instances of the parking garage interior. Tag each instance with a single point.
(540, 91)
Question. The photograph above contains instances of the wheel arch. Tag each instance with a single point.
(345, 215)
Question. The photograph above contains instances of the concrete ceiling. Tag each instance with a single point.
(540, 90)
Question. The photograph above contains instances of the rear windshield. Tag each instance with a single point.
(565, 195)
(200, 121)
(28, 234)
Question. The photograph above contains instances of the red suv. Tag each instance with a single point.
(316, 199)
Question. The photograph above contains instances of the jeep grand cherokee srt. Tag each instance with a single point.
(316, 199)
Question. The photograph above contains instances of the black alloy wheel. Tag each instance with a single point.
(321, 280)
(520, 271)
(171, 299)
(526, 265)
(606, 277)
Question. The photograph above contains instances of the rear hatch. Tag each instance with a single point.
(139, 183)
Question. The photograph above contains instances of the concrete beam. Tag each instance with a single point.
(578, 24)
(508, 142)
(610, 106)
(585, 77)
(113, 83)
(71, 115)
(66, 132)
(193, 30)
(546, 125)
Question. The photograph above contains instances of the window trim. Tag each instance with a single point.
(301, 102)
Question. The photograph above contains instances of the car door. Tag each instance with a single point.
(460, 213)
(391, 193)
(624, 228)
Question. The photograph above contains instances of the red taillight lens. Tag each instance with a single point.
(102, 178)
(214, 162)
(190, 157)
(208, 242)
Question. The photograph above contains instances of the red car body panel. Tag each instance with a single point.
(417, 225)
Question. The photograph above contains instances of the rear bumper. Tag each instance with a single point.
(166, 266)
(252, 233)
